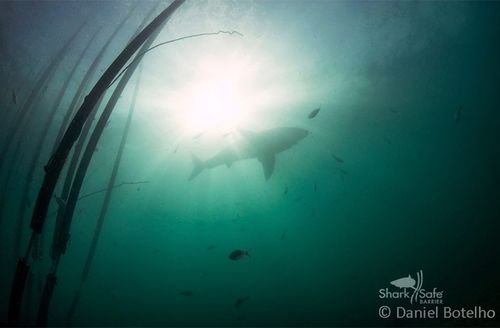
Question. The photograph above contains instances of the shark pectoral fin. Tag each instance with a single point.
(198, 166)
(267, 164)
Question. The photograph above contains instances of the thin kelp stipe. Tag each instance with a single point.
(170, 41)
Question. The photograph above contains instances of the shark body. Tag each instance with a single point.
(262, 145)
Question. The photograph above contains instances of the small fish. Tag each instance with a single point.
(286, 190)
(405, 282)
(211, 247)
(394, 111)
(199, 135)
(337, 158)
(14, 97)
(176, 148)
(283, 235)
(138, 189)
(314, 113)
(186, 293)
(458, 114)
(342, 171)
(238, 254)
(240, 301)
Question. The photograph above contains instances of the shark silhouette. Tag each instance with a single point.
(262, 145)
(405, 282)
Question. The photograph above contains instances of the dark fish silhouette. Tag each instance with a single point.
(238, 254)
(211, 247)
(341, 171)
(458, 114)
(314, 113)
(14, 97)
(199, 135)
(186, 293)
(240, 301)
(286, 190)
(337, 158)
(283, 235)
(394, 111)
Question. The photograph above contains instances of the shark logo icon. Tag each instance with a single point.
(410, 288)
(406, 282)
(409, 282)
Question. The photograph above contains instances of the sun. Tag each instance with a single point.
(219, 99)
(215, 105)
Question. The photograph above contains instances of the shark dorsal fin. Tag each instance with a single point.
(267, 162)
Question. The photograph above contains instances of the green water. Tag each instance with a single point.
(389, 182)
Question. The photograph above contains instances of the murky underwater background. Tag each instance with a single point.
(401, 171)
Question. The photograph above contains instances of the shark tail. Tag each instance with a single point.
(197, 167)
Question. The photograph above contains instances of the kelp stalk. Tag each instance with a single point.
(55, 165)
(105, 205)
(83, 136)
(25, 194)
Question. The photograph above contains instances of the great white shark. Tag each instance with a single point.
(260, 145)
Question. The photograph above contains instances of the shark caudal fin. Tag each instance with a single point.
(197, 167)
